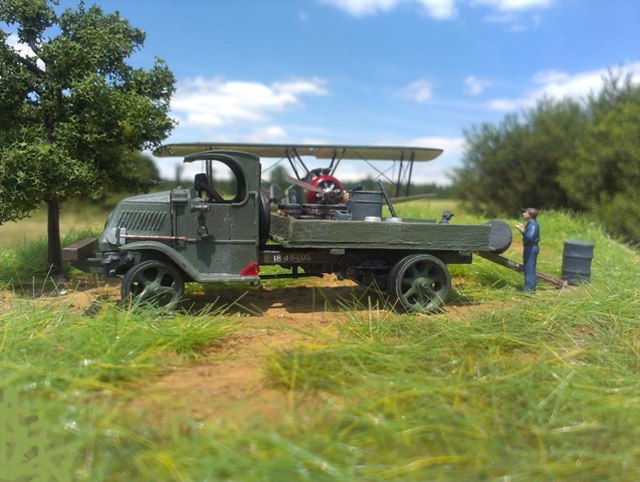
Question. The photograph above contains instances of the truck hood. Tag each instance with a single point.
(144, 214)
(162, 197)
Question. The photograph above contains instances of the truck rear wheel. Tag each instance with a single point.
(419, 283)
(156, 282)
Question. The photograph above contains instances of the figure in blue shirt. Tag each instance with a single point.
(530, 239)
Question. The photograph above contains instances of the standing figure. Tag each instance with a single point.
(530, 238)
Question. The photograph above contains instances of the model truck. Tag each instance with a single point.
(157, 242)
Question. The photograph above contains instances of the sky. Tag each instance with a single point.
(381, 72)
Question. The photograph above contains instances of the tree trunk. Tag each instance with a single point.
(54, 247)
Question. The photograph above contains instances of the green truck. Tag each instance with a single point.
(157, 242)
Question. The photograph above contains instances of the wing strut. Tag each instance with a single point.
(399, 183)
(296, 161)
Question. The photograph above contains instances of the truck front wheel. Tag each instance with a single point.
(419, 283)
(155, 282)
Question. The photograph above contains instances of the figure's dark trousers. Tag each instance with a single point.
(529, 258)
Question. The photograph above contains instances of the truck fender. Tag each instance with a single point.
(180, 261)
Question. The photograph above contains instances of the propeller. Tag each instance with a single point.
(302, 184)
(330, 194)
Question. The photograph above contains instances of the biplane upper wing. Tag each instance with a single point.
(320, 151)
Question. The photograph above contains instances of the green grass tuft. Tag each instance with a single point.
(26, 263)
(56, 351)
(502, 386)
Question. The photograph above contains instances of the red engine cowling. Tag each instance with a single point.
(332, 190)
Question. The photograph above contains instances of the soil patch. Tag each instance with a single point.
(230, 385)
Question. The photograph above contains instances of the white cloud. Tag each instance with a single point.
(507, 105)
(419, 91)
(438, 9)
(558, 85)
(214, 102)
(453, 145)
(475, 86)
(359, 8)
(515, 5)
(439, 170)
(267, 134)
(517, 15)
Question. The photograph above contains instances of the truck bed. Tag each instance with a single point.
(416, 234)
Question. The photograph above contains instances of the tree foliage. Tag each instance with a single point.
(604, 174)
(516, 163)
(570, 154)
(73, 111)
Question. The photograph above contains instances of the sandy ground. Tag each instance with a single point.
(229, 382)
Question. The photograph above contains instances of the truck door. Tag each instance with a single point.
(229, 218)
(232, 234)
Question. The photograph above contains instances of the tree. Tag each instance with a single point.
(568, 154)
(603, 173)
(73, 111)
(516, 164)
(278, 176)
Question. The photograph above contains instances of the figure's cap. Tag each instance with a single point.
(533, 212)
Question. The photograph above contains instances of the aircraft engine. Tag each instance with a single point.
(328, 190)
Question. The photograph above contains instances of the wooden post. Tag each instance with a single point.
(507, 263)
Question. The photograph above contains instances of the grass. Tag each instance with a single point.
(503, 386)
(75, 216)
(23, 244)
(528, 388)
(61, 373)
(25, 264)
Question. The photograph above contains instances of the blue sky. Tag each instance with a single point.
(394, 72)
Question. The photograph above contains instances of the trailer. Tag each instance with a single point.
(156, 242)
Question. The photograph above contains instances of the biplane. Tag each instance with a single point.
(321, 185)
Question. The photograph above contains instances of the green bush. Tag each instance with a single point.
(561, 155)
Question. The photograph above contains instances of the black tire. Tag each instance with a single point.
(155, 282)
(419, 283)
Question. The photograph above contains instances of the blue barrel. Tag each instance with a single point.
(576, 261)
(362, 204)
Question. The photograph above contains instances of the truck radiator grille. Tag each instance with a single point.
(142, 220)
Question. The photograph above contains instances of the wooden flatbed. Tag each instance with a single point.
(411, 234)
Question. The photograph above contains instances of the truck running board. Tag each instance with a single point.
(507, 263)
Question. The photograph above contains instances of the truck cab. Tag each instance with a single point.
(157, 241)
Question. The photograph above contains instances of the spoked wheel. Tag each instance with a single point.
(155, 282)
(419, 283)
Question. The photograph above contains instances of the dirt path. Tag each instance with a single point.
(230, 382)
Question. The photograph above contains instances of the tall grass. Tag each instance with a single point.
(526, 388)
(72, 371)
(26, 263)
(503, 386)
